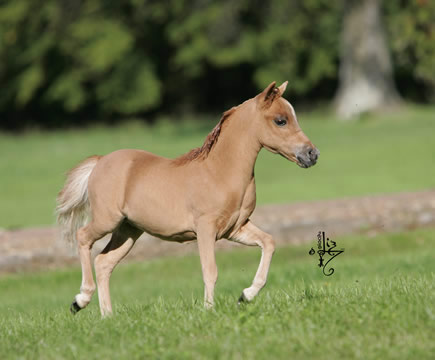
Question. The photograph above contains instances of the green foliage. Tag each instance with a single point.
(99, 59)
(292, 47)
(276, 38)
(73, 56)
(378, 304)
(411, 26)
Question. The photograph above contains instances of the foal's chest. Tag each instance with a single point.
(242, 214)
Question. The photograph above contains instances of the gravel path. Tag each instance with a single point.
(37, 248)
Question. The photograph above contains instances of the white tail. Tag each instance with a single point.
(72, 202)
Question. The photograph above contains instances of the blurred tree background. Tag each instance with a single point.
(71, 62)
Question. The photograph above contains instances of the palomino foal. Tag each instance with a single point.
(207, 194)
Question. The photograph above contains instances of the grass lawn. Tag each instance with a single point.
(379, 154)
(379, 304)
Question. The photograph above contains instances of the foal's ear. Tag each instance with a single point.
(269, 94)
(282, 87)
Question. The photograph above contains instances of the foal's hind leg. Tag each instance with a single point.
(86, 237)
(250, 235)
(121, 243)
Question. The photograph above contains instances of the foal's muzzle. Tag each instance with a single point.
(307, 156)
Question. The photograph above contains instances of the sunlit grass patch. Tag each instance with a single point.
(378, 304)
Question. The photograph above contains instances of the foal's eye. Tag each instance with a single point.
(280, 121)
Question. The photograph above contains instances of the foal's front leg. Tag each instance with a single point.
(251, 235)
(206, 236)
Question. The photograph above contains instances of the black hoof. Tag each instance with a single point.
(74, 308)
(242, 299)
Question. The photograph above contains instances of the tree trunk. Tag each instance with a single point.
(366, 74)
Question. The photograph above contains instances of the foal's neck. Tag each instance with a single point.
(235, 152)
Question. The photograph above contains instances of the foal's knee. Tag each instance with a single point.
(268, 243)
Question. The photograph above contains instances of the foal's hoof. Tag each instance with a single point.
(242, 299)
(74, 308)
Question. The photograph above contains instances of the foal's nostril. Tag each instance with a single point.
(312, 153)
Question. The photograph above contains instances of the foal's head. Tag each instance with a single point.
(279, 131)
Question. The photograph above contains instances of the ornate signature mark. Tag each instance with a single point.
(325, 247)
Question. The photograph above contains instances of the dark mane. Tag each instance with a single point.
(211, 139)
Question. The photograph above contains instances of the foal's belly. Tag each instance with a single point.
(160, 213)
(178, 237)
(164, 223)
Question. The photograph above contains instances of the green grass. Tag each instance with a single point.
(379, 154)
(379, 304)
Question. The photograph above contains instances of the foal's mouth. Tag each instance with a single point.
(305, 163)
(291, 158)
